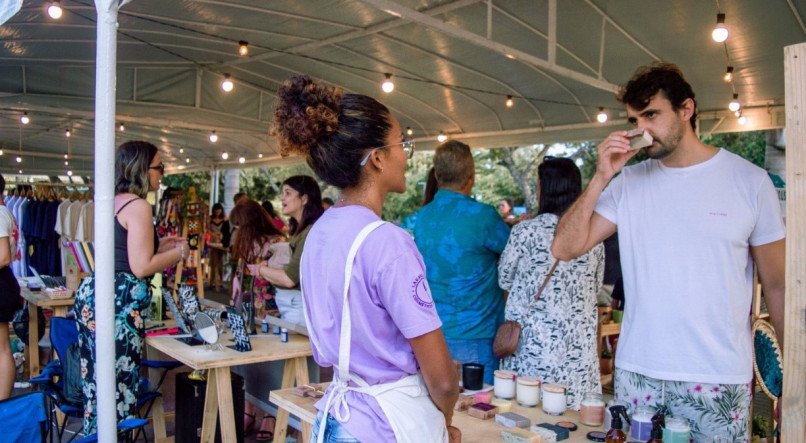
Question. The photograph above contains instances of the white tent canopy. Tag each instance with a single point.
(453, 63)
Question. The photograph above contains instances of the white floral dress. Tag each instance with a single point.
(558, 336)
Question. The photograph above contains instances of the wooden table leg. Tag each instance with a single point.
(210, 408)
(295, 373)
(158, 409)
(225, 406)
(33, 340)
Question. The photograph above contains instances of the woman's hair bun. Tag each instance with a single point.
(305, 113)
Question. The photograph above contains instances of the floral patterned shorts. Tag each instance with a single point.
(715, 412)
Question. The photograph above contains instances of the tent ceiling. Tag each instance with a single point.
(453, 63)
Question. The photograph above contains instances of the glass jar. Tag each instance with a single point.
(504, 384)
(528, 391)
(553, 399)
(677, 430)
(592, 409)
(641, 423)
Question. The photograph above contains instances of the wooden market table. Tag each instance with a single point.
(473, 429)
(41, 299)
(218, 400)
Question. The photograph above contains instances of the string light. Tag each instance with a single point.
(728, 77)
(122, 127)
(213, 137)
(409, 131)
(243, 48)
(227, 84)
(738, 113)
(187, 160)
(260, 156)
(601, 117)
(67, 133)
(69, 173)
(55, 10)
(388, 85)
(66, 163)
(510, 103)
(441, 137)
(720, 32)
(19, 159)
(25, 119)
(20, 171)
(1, 152)
(742, 119)
(734, 104)
(181, 150)
(241, 160)
(224, 155)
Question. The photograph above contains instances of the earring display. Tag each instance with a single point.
(238, 327)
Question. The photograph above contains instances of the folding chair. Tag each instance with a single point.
(25, 417)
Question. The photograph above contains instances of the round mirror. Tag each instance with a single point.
(205, 326)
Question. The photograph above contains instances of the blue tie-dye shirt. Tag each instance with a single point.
(460, 240)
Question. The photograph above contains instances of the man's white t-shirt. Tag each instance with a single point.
(684, 238)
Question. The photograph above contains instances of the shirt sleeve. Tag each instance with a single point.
(5, 226)
(403, 290)
(607, 206)
(508, 265)
(769, 223)
(292, 270)
(497, 233)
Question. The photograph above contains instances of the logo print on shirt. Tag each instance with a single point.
(421, 293)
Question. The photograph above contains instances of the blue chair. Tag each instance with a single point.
(64, 333)
(25, 417)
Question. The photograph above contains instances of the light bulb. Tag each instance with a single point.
(213, 137)
(227, 84)
(738, 113)
(720, 32)
(180, 167)
(65, 156)
(25, 119)
(66, 163)
(19, 159)
(55, 10)
(1, 152)
(260, 156)
(601, 117)
(67, 133)
(742, 120)
(243, 48)
(187, 160)
(409, 131)
(122, 127)
(224, 155)
(181, 150)
(20, 171)
(734, 104)
(510, 103)
(441, 137)
(241, 160)
(69, 172)
(728, 77)
(388, 85)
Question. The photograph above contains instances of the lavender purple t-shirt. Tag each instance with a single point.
(390, 303)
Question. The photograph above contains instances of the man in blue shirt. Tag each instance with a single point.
(460, 240)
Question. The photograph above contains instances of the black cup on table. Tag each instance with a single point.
(473, 376)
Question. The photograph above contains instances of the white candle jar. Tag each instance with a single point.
(528, 390)
(504, 384)
(553, 399)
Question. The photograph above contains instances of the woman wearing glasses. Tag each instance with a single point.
(558, 335)
(368, 307)
(138, 255)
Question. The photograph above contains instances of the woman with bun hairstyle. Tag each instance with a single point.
(139, 254)
(368, 307)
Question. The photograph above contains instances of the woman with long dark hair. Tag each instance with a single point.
(219, 228)
(138, 256)
(368, 308)
(558, 335)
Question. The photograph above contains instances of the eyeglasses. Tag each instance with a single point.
(408, 149)
(160, 167)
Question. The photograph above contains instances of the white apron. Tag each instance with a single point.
(412, 415)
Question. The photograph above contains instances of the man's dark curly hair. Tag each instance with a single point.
(650, 79)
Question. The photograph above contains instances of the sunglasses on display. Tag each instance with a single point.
(408, 149)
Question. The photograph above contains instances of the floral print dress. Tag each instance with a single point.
(131, 297)
(558, 335)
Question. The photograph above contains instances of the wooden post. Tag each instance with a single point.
(793, 407)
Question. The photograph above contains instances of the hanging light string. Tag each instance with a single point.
(319, 60)
(730, 70)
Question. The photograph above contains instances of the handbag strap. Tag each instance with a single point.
(546, 280)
